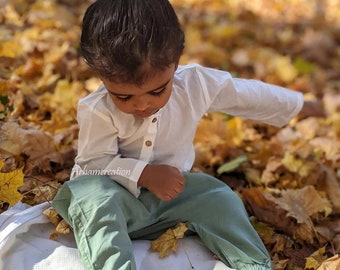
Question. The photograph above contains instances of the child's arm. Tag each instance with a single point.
(217, 91)
(166, 182)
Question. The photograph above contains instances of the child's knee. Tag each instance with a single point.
(203, 180)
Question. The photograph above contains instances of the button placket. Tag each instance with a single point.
(147, 149)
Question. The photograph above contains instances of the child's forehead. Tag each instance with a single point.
(155, 81)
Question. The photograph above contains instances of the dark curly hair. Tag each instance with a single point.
(124, 40)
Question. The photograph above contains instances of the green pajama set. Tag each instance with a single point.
(105, 217)
(103, 202)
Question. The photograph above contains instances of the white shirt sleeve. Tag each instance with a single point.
(250, 99)
(98, 152)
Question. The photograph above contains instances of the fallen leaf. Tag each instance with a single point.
(270, 175)
(61, 226)
(168, 241)
(10, 49)
(232, 165)
(316, 259)
(332, 263)
(262, 205)
(302, 204)
(9, 184)
(46, 192)
(332, 187)
(297, 165)
(52, 216)
(285, 69)
(279, 264)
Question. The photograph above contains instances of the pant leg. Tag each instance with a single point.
(103, 215)
(218, 216)
(99, 210)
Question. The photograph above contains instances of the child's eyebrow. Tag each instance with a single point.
(150, 91)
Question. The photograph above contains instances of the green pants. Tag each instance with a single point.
(105, 217)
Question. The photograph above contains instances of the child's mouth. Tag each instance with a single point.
(145, 114)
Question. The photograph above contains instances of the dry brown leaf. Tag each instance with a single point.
(46, 192)
(332, 263)
(312, 127)
(279, 264)
(328, 147)
(332, 187)
(168, 241)
(266, 232)
(263, 206)
(270, 175)
(302, 204)
(331, 102)
(38, 145)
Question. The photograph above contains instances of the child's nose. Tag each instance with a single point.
(141, 103)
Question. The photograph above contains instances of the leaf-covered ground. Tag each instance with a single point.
(288, 178)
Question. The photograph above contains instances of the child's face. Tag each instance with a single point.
(144, 100)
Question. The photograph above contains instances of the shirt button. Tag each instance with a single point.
(148, 143)
(154, 120)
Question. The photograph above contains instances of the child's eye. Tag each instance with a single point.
(123, 98)
(158, 92)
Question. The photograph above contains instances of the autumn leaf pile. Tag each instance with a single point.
(288, 178)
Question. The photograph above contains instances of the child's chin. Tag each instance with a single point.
(144, 114)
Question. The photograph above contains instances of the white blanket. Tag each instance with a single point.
(25, 245)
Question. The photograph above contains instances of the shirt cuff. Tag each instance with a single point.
(299, 106)
(134, 177)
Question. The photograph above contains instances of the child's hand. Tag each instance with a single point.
(311, 109)
(164, 181)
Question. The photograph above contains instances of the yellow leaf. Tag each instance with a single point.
(9, 183)
(168, 241)
(61, 226)
(10, 49)
(52, 216)
(12, 16)
(315, 260)
(285, 69)
(65, 94)
(297, 165)
(3, 87)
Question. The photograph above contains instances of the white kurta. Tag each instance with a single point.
(120, 145)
